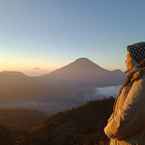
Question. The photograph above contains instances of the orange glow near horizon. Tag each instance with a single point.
(29, 67)
(39, 66)
(36, 70)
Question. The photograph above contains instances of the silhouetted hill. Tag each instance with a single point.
(83, 125)
(21, 119)
(6, 136)
(16, 85)
(78, 126)
(12, 74)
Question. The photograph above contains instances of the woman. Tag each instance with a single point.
(126, 125)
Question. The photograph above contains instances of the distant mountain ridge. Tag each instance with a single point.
(87, 72)
(67, 81)
(12, 73)
(80, 64)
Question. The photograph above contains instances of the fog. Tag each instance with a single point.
(100, 93)
(108, 91)
(55, 105)
(48, 107)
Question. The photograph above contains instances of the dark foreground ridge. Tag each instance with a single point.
(80, 126)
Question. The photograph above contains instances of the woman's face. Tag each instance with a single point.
(129, 61)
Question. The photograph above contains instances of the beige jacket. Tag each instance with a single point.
(127, 125)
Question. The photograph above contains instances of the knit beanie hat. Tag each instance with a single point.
(137, 51)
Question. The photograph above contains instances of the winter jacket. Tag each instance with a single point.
(126, 125)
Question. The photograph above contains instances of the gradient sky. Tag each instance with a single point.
(37, 36)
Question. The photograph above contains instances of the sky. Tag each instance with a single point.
(38, 36)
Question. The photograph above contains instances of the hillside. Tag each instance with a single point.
(21, 119)
(83, 125)
(6, 136)
(78, 126)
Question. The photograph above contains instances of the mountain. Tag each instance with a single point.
(17, 85)
(85, 72)
(82, 125)
(76, 79)
(12, 74)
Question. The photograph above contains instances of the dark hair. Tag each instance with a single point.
(137, 51)
(136, 45)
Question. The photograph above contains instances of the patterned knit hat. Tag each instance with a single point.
(137, 51)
